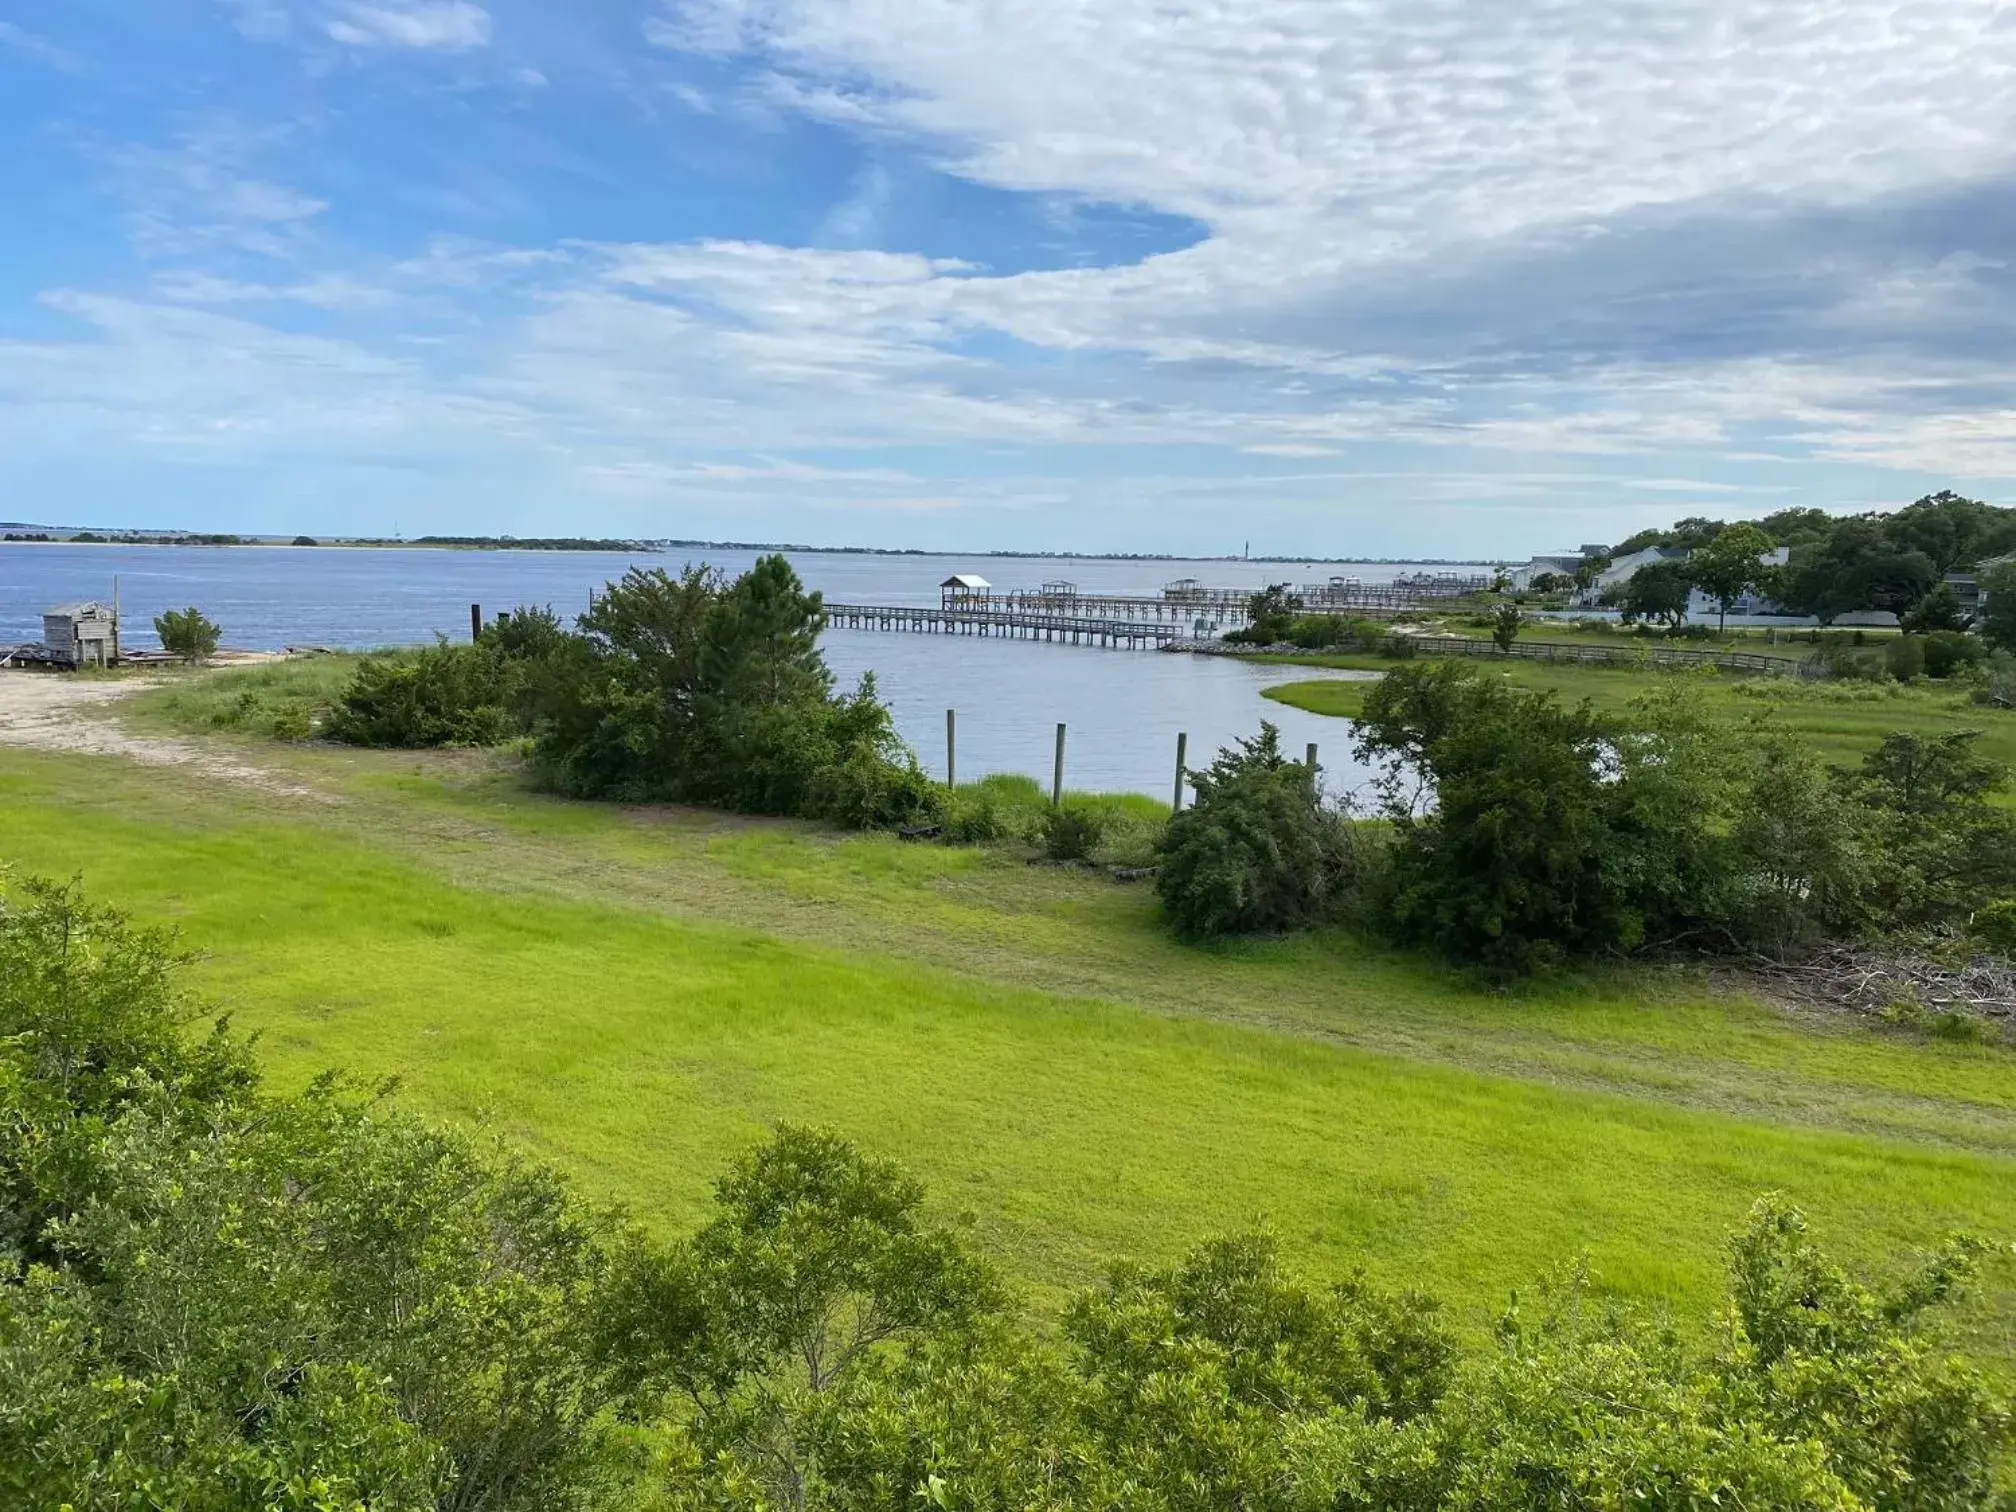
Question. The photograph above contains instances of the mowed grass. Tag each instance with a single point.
(1841, 719)
(555, 972)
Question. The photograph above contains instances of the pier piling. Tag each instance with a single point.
(1182, 750)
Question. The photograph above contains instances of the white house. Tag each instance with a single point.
(1562, 565)
(1700, 606)
(1621, 569)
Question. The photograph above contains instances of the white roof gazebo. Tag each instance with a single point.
(963, 587)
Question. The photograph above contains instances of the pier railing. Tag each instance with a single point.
(971, 618)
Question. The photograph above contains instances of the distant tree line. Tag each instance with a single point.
(218, 1297)
(528, 543)
(1895, 561)
(690, 688)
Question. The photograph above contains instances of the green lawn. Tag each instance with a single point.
(636, 993)
(1843, 719)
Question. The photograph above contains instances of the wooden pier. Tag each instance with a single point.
(1225, 608)
(998, 620)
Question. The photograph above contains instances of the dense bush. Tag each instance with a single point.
(1526, 832)
(686, 688)
(694, 690)
(441, 695)
(211, 1297)
(1256, 850)
(219, 1299)
(1072, 831)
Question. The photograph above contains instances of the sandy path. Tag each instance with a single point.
(46, 711)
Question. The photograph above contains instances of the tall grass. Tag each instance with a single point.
(283, 700)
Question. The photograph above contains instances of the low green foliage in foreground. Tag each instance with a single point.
(637, 993)
(217, 1297)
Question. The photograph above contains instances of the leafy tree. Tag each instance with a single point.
(1505, 866)
(1950, 531)
(1656, 592)
(1506, 622)
(1730, 566)
(1944, 846)
(232, 1300)
(188, 634)
(1856, 567)
(817, 1258)
(1256, 850)
(1998, 608)
(1938, 610)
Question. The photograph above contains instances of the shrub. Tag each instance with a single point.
(1072, 831)
(1256, 851)
(1948, 652)
(188, 634)
(240, 1300)
(1904, 658)
(1994, 927)
(444, 695)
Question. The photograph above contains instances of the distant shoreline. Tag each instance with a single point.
(789, 548)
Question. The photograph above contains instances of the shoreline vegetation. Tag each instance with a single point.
(645, 911)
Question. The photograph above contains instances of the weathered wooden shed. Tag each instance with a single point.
(81, 635)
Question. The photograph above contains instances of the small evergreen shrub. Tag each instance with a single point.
(1256, 852)
(1072, 831)
(187, 633)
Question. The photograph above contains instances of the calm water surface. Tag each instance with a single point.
(1123, 709)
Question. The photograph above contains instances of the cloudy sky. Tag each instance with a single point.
(1421, 277)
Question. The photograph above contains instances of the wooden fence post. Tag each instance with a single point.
(1182, 750)
(475, 621)
(1312, 766)
(1057, 774)
(951, 749)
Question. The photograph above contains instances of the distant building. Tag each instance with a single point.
(1621, 570)
(81, 635)
(1561, 564)
(964, 589)
(1967, 584)
(1701, 606)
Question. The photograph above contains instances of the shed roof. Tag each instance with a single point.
(965, 580)
(85, 609)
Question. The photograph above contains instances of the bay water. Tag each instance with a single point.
(1122, 709)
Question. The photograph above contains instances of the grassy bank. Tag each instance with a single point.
(1843, 719)
(637, 992)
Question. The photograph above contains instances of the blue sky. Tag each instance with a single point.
(1330, 276)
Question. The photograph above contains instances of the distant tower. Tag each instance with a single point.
(1247, 553)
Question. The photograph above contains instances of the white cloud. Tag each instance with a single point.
(448, 24)
(39, 49)
(1406, 120)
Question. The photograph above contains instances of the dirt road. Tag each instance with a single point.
(47, 711)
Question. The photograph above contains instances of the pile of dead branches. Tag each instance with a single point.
(1865, 980)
